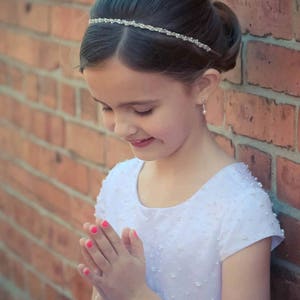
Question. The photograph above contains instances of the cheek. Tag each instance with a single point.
(108, 121)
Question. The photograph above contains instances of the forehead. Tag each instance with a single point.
(115, 81)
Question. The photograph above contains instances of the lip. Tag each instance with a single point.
(140, 143)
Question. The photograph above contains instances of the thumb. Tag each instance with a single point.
(126, 240)
(137, 248)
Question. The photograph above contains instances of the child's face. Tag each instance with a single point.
(153, 113)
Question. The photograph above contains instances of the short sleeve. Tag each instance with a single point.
(113, 179)
(100, 203)
(104, 195)
(248, 220)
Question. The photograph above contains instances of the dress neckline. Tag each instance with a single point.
(189, 200)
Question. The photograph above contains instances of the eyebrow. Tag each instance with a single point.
(141, 102)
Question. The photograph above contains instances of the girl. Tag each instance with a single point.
(182, 220)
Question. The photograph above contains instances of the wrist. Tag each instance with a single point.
(146, 293)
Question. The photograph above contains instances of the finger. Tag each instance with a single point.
(125, 239)
(112, 236)
(103, 243)
(96, 255)
(90, 277)
(88, 259)
(137, 248)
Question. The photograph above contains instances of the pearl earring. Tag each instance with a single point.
(204, 108)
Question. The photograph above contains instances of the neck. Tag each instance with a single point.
(201, 153)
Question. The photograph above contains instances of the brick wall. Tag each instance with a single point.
(54, 151)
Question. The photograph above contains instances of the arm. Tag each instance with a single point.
(246, 274)
(95, 295)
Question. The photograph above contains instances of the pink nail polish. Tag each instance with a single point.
(86, 271)
(104, 224)
(94, 229)
(135, 234)
(89, 243)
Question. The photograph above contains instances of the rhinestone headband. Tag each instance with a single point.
(153, 28)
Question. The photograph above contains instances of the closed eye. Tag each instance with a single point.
(144, 113)
(106, 108)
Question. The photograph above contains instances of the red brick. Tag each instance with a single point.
(290, 248)
(285, 284)
(226, 144)
(68, 58)
(18, 274)
(215, 108)
(47, 264)
(8, 11)
(3, 73)
(21, 115)
(61, 240)
(89, 108)
(33, 15)
(274, 67)
(265, 17)
(6, 294)
(39, 124)
(235, 75)
(31, 86)
(288, 181)
(71, 209)
(83, 1)
(81, 212)
(34, 286)
(13, 239)
(116, 151)
(40, 158)
(79, 288)
(259, 163)
(51, 293)
(6, 205)
(68, 98)
(299, 131)
(86, 142)
(39, 191)
(6, 264)
(68, 22)
(261, 118)
(6, 107)
(48, 127)
(95, 182)
(297, 21)
(15, 76)
(71, 173)
(26, 217)
(9, 141)
(48, 92)
(30, 50)
(5, 39)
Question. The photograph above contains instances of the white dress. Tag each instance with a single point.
(186, 244)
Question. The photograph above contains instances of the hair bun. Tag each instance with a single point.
(231, 32)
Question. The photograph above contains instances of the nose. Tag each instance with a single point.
(124, 128)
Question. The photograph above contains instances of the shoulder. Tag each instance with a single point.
(124, 168)
(236, 183)
(247, 212)
(119, 180)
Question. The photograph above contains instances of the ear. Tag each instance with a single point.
(207, 84)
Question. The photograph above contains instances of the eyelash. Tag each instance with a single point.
(144, 113)
(140, 113)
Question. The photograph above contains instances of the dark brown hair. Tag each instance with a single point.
(213, 24)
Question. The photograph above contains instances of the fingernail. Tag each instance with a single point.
(94, 229)
(135, 234)
(89, 243)
(86, 271)
(104, 224)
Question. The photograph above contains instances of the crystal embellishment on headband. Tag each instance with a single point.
(152, 28)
